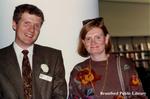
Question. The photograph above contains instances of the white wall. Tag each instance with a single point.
(63, 21)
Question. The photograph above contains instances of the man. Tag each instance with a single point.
(28, 70)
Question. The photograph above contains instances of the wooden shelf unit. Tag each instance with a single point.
(136, 48)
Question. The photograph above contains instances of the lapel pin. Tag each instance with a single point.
(126, 67)
(44, 68)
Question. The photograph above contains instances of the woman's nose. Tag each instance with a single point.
(93, 41)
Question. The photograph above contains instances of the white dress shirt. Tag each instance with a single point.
(19, 54)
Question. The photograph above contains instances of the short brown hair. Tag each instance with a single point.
(31, 9)
(87, 26)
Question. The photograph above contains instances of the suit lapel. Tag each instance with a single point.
(41, 88)
(14, 70)
(36, 72)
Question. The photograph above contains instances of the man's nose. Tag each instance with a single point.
(32, 29)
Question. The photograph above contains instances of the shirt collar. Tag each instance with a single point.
(19, 49)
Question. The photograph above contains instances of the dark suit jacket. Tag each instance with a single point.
(10, 75)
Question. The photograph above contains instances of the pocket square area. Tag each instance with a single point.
(45, 77)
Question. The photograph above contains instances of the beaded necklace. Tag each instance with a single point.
(105, 77)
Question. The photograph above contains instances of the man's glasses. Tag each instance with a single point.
(89, 20)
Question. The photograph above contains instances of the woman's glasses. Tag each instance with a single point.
(89, 20)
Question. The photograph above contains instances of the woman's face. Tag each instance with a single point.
(95, 41)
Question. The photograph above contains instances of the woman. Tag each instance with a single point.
(103, 75)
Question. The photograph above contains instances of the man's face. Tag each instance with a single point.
(27, 29)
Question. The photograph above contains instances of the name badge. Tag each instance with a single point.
(45, 77)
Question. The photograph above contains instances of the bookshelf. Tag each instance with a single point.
(136, 48)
